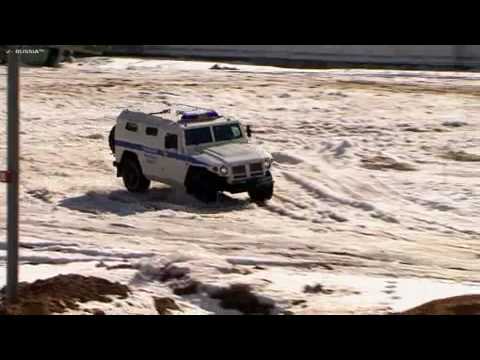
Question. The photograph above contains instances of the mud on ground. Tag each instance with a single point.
(60, 294)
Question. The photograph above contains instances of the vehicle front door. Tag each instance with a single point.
(175, 162)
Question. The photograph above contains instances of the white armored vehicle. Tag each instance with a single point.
(190, 147)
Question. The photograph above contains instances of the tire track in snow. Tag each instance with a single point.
(313, 202)
(54, 252)
(321, 192)
(304, 207)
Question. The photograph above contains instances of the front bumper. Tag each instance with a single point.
(248, 184)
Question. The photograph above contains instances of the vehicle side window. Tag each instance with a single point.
(198, 136)
(131, 127)
(171, 141)
(152, 131)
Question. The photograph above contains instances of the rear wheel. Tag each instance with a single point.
(133, 177)
(3, 57)
(54, 58)
(111, 140)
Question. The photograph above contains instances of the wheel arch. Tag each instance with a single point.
(195, 170)
(192, 172)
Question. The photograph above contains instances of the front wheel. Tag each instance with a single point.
(133, 177)
(261, 194)
(202, 188)
(207, 195)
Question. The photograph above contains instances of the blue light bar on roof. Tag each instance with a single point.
(199, 116)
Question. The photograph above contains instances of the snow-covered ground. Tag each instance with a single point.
(369, 200)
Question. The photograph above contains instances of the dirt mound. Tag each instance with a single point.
(59, 294)
(288, 159)
(41, 194)
(386, 163)
(188, 287)
(240, 297)
(460, 305)
(455, 124)
(165, 306)
(317, 289)
(461, 156)
(219, 67)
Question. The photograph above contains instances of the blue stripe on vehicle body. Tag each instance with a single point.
(152, 151)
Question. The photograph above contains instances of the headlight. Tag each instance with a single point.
(223, 171)
(268, 163)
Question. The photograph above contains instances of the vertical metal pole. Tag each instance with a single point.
(13, 186)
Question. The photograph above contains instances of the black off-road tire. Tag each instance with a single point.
(207, 195)
(201, 188)
(133, 177)
(3, 57)
(261, 194)
(111, 140)
(54, 58)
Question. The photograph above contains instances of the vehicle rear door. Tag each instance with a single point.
(152, 151)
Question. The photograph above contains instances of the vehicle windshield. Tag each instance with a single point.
(198, 136)
(227, 132)
(222, 133)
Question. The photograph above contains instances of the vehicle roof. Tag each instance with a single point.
(172, 117)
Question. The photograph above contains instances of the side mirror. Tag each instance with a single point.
(249, 131)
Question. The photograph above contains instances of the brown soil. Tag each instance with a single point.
(164, 306)
(59, 294)
(460, 305)
(240, 297)
(189, 287)
(317, 289)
